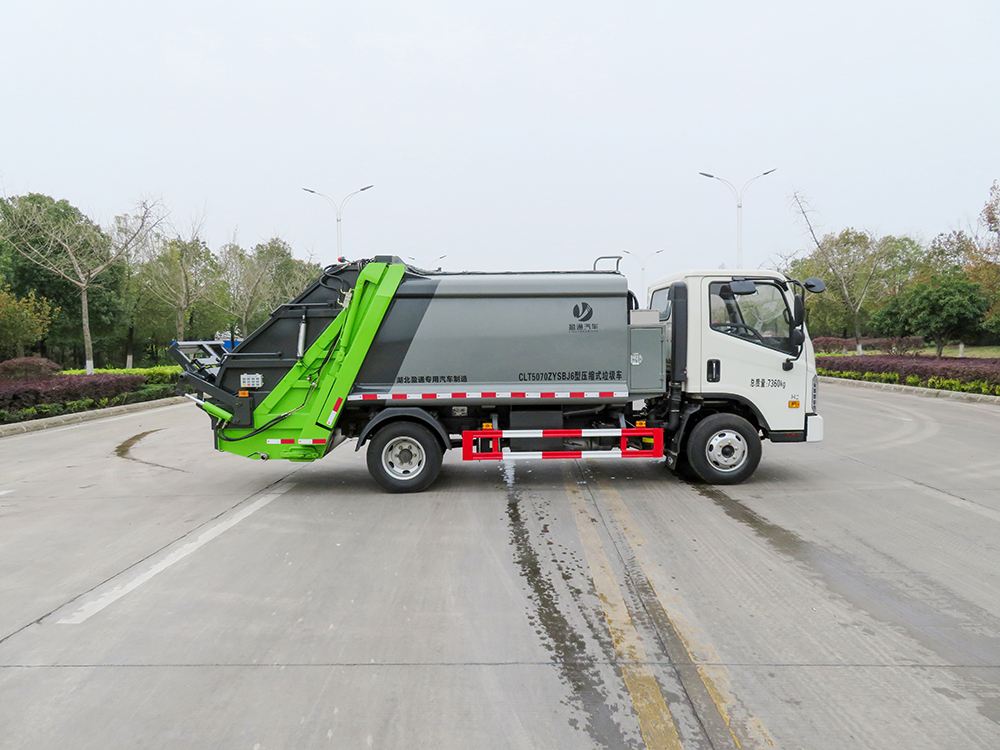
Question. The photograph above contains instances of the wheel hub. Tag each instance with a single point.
(726, 450)
(403, 458)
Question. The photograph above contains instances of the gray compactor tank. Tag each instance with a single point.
(502, 332)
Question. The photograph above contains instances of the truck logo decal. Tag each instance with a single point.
(583, 312)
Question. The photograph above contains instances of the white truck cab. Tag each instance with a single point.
(748, 354)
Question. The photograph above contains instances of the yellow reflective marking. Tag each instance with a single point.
(715, 677)
(793, 404)
(655, 723)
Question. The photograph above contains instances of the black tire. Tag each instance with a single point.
(682, 469)
(404, 457)
(724, 449)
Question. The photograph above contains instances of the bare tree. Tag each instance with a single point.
(854, 263)
(259, 280)
(181, 272)
(60, 239)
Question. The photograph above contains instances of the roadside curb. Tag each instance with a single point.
(915, 390)
(34, 425)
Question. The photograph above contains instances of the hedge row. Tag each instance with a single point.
(942, 384)
(906, 345)
(17, 395)
(162, 375)
(144, 393)
(964, 370)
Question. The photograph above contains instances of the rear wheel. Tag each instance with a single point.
(404, 457)
(724, 449)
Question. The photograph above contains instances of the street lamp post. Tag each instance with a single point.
(642, 266)
(339, 210)
(739, 209)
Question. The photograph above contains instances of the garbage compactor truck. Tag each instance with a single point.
(517, 365)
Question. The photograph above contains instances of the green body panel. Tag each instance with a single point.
(322, 378)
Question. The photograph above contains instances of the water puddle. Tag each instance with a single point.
(122, 451)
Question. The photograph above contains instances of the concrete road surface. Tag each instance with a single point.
(154, 593)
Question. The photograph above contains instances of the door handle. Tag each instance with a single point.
(714, 371)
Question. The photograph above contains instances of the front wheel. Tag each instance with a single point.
(724, 449)
(404, 457)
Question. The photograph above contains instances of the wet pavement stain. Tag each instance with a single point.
(577, 668)
(965, 635)
(122, 451)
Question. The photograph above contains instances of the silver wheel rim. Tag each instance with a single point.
(726, 450)
(403, 458)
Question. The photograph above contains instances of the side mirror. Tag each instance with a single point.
(741, 286)
(814, 285)
(798, 337)
(798, 312)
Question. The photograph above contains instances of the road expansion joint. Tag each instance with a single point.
(646, 610)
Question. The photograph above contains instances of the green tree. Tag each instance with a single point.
(58, 238)
(23, 321)
(941, 309)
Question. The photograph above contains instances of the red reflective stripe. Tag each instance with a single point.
(548, 395)
(336, 406)
(607, 394)
(286, 441)
(576, 394)
(489, 395)
(517, 395)
(561, 454)
(428, 395)
(398, 396)
(369, 397)
(458, 395)
(562, 433)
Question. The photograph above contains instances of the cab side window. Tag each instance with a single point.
(762, 318)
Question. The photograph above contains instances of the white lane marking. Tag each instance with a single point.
(4, 492)
(114, 590)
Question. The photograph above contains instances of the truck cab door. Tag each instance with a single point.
(746, 337)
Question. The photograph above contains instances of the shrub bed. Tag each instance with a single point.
(952, 374)
(39, 411)
(33, 388)
(16, 395)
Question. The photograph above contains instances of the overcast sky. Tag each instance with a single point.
(516, 135)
